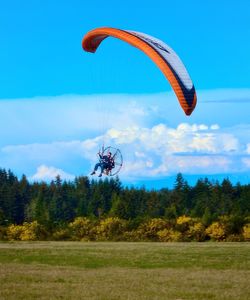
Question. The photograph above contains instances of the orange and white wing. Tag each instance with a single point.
(164, 57)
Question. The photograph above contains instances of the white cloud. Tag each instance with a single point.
(248, 148)
(34, 119)
(148, 152)
(246, 161)
(184, 138)
(45, 173)
(192, 149)
(214, 127)
(45, 119)
(154, 135)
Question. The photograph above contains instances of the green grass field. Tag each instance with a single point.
(79, 270)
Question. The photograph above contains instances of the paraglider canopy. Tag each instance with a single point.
(164, 57)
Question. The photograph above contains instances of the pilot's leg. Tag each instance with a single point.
(95, 168)
(102, 169)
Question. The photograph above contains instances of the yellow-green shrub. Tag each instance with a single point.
(81, 229)
(27, 232)
(131, 236)
(14, 232)
(186, 226)
(246, 232)
(183, 223)
(149, 229)
(61, 234)
(169, 235)
(197, 232)
(216, 231)
(110, 229)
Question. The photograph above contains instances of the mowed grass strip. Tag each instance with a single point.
(72, 270)
(135, 255)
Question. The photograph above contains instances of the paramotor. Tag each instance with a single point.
(116, 157)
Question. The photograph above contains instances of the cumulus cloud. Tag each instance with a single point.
(248, 148)
(45, 173)
(184, 138)
(149, 129)
(246, 162)
(152, 152)
(161, 150)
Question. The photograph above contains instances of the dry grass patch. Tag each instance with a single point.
(44, 282)
(74, 270)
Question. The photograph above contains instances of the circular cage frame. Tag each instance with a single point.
(118, 159)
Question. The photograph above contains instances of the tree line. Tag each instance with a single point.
(60, 202)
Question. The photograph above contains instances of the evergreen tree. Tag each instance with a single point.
(60, 202)
(180, 198)
(227, 196)
(82, 194)
(201, 197)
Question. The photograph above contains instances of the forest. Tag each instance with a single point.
(54, 204)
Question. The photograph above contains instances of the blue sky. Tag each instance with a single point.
(55, 99)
